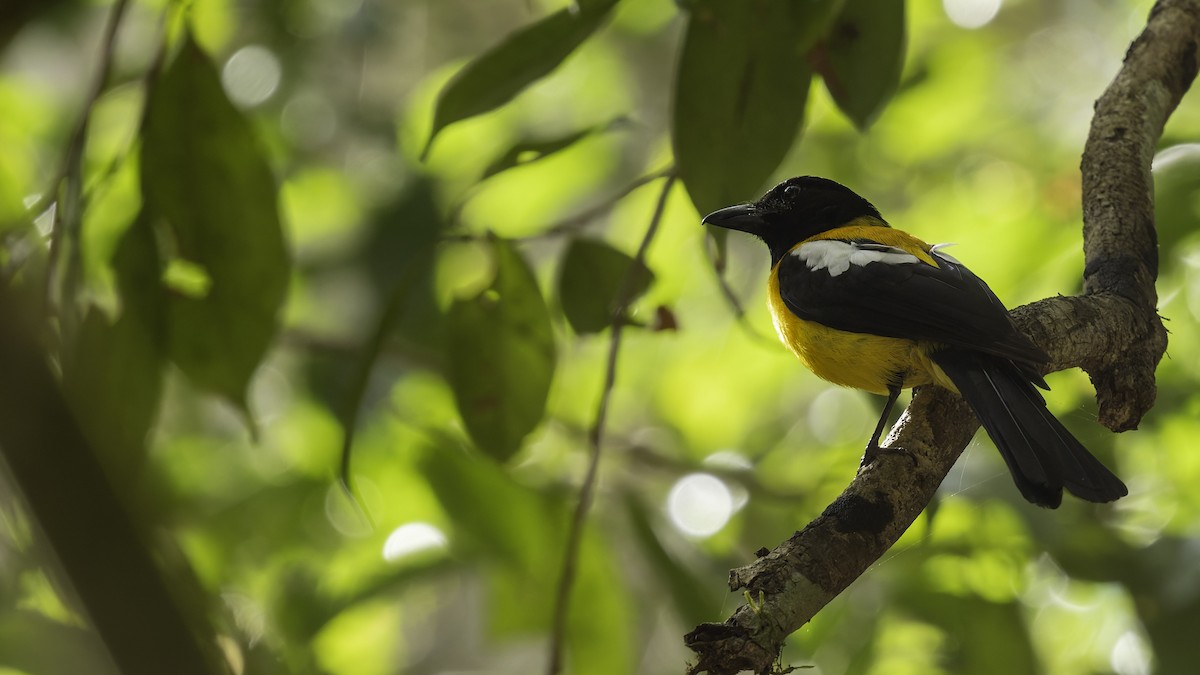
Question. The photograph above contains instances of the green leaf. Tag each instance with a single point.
(862, 57)
(403, 233)
(599, 641)
(32, 643)
(740, 90)
(292, 511)
(594, 275)
(301, 605)
(494, 517)
(503, 524)
(513, 527)
(113, 378)
(496, 76)
(695, 599)
(399, 255)
(527, 150)
(12, 214)
(995, 641)
(205, 178)
(1176, 194)
(501, 356)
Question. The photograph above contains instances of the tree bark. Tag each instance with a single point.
(1112, 331)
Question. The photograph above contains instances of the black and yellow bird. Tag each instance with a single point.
(868, 306)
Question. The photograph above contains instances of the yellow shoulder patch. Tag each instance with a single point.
(866, 228)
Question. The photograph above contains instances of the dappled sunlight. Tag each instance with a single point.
(1131, 655)
(251, 75)
(413, 539)
(354, 515)
(842, 417)
(971, 13)
(699, 505)
(735, 462)
(309, 119)
(1083, 623)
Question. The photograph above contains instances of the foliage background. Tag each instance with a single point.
(717, 442)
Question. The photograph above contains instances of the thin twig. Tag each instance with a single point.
(573, 223)
(735, 306)
(596, 437)
(570, 224)
(69, 214)
(646, 457)
(650, 458)
(90, 193)
(387, 319)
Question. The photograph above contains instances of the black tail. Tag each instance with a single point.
(1041, 454)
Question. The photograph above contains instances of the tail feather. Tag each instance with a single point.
(1041, 454)
(1035, 475)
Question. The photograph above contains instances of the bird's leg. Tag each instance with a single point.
(872, 450)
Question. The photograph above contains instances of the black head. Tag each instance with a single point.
(793, 211)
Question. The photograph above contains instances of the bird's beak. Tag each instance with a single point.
(743, 217)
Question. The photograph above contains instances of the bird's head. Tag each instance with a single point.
(795, 210)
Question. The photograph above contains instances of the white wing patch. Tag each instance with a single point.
(837, 256)
(936, 251)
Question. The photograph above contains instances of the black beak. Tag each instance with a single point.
(743, 217)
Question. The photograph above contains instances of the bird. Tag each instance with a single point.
(871, 307)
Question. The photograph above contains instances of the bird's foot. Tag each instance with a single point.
(874, 451)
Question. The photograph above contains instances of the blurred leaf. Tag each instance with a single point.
(403, 233)
(32, 643)
(301, 606)
(18, 12)
(1152, 575)
(862, 57)
(695, 600)
(515, 532)
(501, 356)
(1168, 616)
(493, 515)
(592, 279)
(405, 237)
(1176, 193)
(602, 617)
(501, 521)
(740, 90)
(204, 175)
(293, 512)
(12, 214)
(114, 377)
(399, 234)
(852, 628)
(990, 638)
(496, 76)
(527, 151)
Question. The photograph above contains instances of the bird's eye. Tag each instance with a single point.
(791, 191)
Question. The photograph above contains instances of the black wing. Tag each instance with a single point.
(900, 296)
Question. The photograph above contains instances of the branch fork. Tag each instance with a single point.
(1112, 331)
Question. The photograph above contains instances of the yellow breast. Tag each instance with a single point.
(858, 360)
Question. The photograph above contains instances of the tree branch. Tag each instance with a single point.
(566, 581)
(104, 552)
(1113, 332)
(69, 214)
